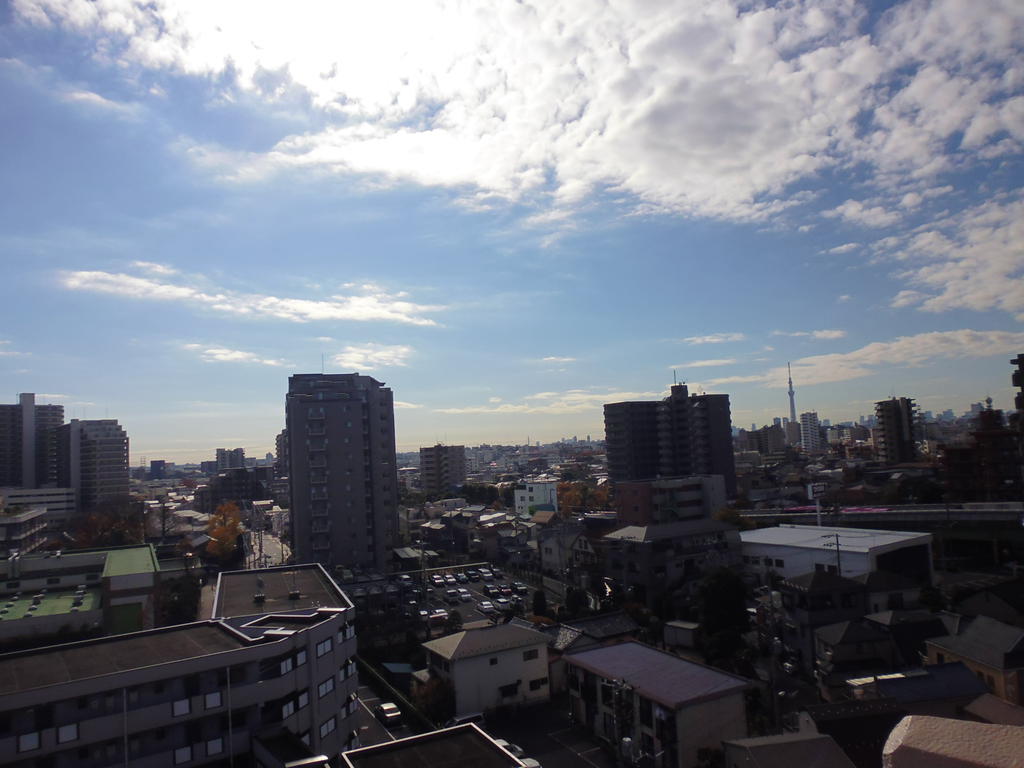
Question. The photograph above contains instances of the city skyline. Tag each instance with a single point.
(511, 220)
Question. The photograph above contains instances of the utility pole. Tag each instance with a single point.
(839, 565)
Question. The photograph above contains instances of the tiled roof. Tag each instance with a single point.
(479, 641)
(987, 641)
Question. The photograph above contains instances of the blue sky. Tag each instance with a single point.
(510, 215)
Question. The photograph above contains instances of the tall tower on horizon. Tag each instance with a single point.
(792, 401)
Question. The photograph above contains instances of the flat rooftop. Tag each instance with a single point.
(464, 746)
(236, 591)
(670, 680)
(815, 537)
(51, 604)
(57, 664)
(129, 560)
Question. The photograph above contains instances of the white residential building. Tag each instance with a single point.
(489, 667)
(536, 493)
(810, 433)
(792, 550)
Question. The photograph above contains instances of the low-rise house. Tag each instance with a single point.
(572, 636)
(669, 708)
(814, 600)
(994, 651)
(491, 666)
(1002, 602)
(887, 591)
(850, 649)
(806, 749)
(909, 630)
(941, 690)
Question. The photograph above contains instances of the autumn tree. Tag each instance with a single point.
(224, 527)
(112, 524)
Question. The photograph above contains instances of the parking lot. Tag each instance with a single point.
(476, 604)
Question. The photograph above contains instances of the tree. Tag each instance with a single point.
(453, 623)
(224, 527)
(436, 700)
(732, 516)
(540, 603)
(112, 524)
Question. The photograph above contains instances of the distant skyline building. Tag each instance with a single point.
(342, 469)
(810, 433)
(680, 436)
(898, 430)
(28, 443)
(442, 468)
(93, 459)
(230, 458)
(792, 394)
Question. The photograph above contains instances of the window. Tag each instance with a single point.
(181, 707)
(540, 682)
(303, 699)
(780, 563)
(530, 655)
(287, 709)
(215, 746)
(182, 755)
(324, 646)
(508, 690)
(327, 726)
(494, 661)
(67, 733)
(213, 700)
(325, 687)
(287, 665)
(28, 741)
(300, 658)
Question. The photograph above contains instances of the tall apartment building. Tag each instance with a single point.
(281, 454)
(28, 442)
(810, 433)
(93, 459)
(442, 468)
(680, 436)
(897, 430)
(342, 469)
(230, 458)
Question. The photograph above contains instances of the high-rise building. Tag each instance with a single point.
(897, 430)
(680, 436)
(810, 433)
(281, 454)
(28, 443)
(230, 458)
(792, 395)
(93, 459)
(342, 469)
(442, 468)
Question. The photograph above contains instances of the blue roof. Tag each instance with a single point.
(942, 681)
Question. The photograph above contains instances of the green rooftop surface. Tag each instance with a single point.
(53, 604)
(128, 560)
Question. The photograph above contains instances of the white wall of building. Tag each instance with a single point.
(532, 493)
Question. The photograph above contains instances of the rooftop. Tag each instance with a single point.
(814, 537)
(54, 665)
(667, 679)
(236, 591)
(991, 709)
(933, 682)
(480, 640)
(985, 640)
(927, 742)
(805, 749)
(124, 561)
(49, 604)
(464, 746)
(669, 530)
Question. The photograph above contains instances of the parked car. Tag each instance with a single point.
(473, 574)
(486, 607)
(461, 577)
(451, 596)
(496, 571)
(450, 580)
(502, 604)
(465, 595)
(505, 590)
(438, 617)
(519, 588)
(388, 713)
(515, 749)
(491, 590)
(486, 575)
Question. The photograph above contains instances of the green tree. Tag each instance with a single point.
(436, 700)
(453, 623)
(540, 603)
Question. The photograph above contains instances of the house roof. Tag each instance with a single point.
(668, 530)
(918, 740)
(606, 625)
(806, 749)
(478, 641)
(543, 516)
(815, 537)
(984, 640)
(936, 681)
(669, 680)
(901, 617)
(458, 747)
(850, 632)
(992, 709)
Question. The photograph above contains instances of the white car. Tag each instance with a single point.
(515, 749)
(502, 604)
(465, 596)
(486, 607)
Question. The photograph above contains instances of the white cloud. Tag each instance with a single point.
(154, 268)
(714, 338)
(368, 357)
(856, 212)
(367, 306)
(903, 352)
(6, 351)
(706, 363)
(554, 403)
(404, 406)
(214, 354)
(558, 359)
(711, 108)
(843, 298)
(845, 248)
(493, 399)
(818, 335)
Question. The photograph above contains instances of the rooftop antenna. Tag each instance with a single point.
(321, 363)
(674, 379)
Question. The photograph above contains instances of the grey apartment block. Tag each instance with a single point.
(28, 442)
(93, 459)
(270, 679)
(344, 481)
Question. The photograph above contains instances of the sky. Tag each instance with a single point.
(510, 212)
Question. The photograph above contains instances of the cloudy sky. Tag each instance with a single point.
(511, 212)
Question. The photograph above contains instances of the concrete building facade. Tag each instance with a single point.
(540, 493)
(898, 430)
(649, 502)
(810, 433)
(442, 468)
(93, 460)
(342, 470)
(28, 442)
